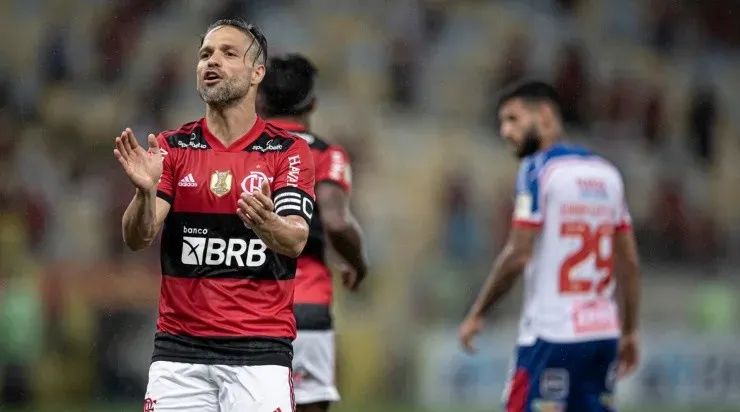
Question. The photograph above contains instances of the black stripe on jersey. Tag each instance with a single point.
(206, 245)
(312, 317)
(316, 241)
(318, 144)
(315, 245)
(164, 196)
(293, 201)
(251, 351)
(266, 143)
(193, 140)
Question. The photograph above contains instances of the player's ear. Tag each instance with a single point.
(312, 105)
(541, 116)
(258, 74)
(549, 116)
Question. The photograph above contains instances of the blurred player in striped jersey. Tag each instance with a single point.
(573, 242)
(287, 100)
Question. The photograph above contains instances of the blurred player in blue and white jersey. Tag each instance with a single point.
(573, 242)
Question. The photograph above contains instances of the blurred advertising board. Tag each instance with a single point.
(678, 368)
(447, 376)
(685, 368)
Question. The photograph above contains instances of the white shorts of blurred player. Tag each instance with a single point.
(314, 367)
(186, 387)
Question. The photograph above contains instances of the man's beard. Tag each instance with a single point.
(530, 144)
(228, 93)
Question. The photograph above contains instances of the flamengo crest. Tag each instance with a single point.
(253, 182)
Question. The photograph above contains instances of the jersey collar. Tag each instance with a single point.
(288, 125)
(240, 144)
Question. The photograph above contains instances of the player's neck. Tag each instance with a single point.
(231, 123)
(548, 143)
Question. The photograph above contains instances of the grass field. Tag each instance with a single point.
(381, 408)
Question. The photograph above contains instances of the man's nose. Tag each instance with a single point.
(214, 61)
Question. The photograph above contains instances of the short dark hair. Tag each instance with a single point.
(287, 89)
(532, 91)
(248, 29)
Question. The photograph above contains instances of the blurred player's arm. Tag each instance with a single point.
(627, 272)
(341, 226)
(527, 221)
(515, 256)
(281, 218)
(507, 268)
(626, 269)
(333, 174)
(151, 173)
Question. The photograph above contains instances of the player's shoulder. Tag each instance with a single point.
(275, 139)
(315, 142)
(564, 151)
(187, 136)
(323, 146)
(565, 154)
(318, 143)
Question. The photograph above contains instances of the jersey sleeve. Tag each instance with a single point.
(166, 186)
(624, 220)
(527, 206)
(334, 167)
(293, 186)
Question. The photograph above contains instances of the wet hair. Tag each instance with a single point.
(259, 42)
(531, 92)
(287, 89)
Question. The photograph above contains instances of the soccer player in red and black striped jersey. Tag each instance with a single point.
(286, 99)
(235, 196)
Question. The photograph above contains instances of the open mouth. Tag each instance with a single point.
(211, 77)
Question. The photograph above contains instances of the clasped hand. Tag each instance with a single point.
(256, 209)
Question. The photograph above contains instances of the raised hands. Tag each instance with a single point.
(143, 167)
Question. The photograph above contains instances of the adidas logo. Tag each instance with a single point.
(188, 181)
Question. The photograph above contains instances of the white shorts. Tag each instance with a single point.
(313, 367)
(186, 387)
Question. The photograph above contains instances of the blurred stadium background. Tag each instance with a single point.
(407, 86)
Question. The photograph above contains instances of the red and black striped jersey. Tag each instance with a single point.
(313, 283)
(225, 297)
